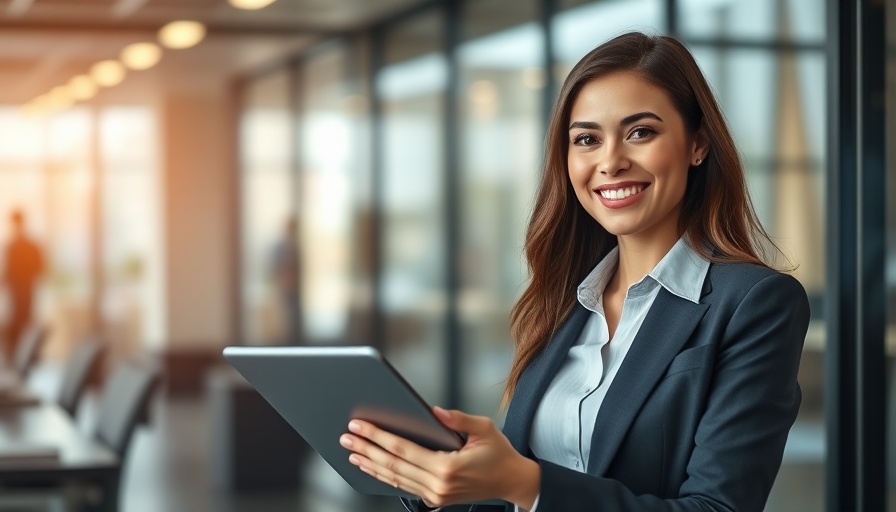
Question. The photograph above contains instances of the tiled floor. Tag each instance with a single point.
(169, 469)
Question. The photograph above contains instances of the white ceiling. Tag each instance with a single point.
(43, 43)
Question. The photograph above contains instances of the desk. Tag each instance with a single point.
(80, 457)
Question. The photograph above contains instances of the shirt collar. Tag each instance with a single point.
(591, 290)
(681, 272)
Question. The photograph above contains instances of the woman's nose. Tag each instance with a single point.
(614, 160)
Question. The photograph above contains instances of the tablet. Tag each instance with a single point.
(319, 389)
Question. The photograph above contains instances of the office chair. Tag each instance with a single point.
(125, 398)
(28, 350)
(80, 365)
(124, 403)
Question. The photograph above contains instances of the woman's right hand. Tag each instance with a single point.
(486, 467)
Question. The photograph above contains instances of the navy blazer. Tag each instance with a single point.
(698, 415)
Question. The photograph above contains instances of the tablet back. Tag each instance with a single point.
(319, 389)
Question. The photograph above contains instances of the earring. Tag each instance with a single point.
(698, 162)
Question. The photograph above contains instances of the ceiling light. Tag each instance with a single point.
(107, 73)
(181, 34)
(82, 87)
(59, 98)
(141, 55)
(251, 5)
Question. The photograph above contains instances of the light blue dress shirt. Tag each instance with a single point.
(564, 422)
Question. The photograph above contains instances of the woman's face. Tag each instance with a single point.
(629, 156)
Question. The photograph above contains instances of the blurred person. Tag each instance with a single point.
(285, 274)
(656, 348)
(24, 266)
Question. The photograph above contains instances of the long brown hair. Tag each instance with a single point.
(564, 243)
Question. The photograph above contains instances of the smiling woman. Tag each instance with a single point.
(629, 170)
(656, 347)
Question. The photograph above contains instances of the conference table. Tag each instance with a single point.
(41, 448)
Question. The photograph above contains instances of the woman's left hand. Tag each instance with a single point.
(486, 467)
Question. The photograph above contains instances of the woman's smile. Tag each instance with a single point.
(620, 195)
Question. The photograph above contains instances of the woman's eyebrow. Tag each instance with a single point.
(587, 125)
(590, 125)
(639, 116)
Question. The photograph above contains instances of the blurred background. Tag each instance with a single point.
(345, 172)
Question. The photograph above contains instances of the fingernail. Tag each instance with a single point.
(345, 441)
(354, 459)
(354, 426)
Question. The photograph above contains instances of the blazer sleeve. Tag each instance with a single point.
(739, 443)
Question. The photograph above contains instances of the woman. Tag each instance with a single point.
(656, 350)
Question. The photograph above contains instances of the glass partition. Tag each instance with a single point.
(132, 302)
(335, 197)
(501, 77)
(411, 87)
(269, 266)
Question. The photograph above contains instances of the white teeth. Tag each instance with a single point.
(621, 193)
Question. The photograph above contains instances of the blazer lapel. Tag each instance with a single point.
(537, 376)
(667, 327)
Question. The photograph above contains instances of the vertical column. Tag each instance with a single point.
(856, 309)
(452, 180)
(235, 214)
(96, 225)
(870, 389)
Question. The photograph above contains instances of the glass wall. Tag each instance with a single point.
(412, 87)
(335, 196)
(132, 258)
(267, 210)
(69, 203)
(49, 167)
(501, 76)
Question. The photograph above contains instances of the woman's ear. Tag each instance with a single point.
(699, 148)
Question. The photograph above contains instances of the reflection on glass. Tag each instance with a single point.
(501, 81)
(266, 189)
(413, 274)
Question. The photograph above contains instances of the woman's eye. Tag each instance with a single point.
(584, 140)
(642, 132)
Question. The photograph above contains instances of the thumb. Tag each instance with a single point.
(462, 422)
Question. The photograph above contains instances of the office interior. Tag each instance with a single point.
(396, 145)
